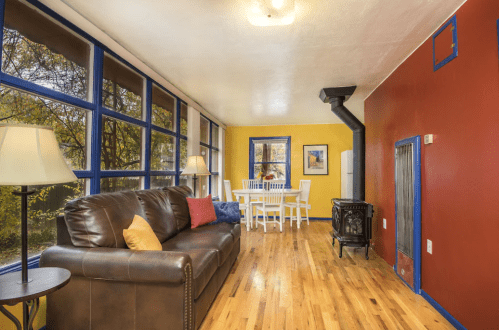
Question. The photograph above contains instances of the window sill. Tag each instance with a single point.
(33, 262)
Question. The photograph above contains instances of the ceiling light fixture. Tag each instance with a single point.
(271, 12)
(277, 3)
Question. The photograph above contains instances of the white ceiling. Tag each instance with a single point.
(250, 75)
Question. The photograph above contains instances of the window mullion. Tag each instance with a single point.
(177, 143)
(147, 143)
(97, 121)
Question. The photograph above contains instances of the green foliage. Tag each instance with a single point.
(121, 141)
(36, 63)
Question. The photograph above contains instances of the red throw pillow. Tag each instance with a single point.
(201, 210)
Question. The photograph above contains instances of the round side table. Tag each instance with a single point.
(41, 282)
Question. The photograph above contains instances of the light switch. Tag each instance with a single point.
(428, 139)
(384, 223)
(429, 246)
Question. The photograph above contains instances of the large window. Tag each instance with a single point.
(40, 51)
(270, 156)
(69, 125)
(209, 136)
(118, 129)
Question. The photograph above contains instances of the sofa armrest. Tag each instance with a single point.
(120, 264)
(227, 212)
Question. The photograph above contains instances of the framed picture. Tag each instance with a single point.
(315, 160)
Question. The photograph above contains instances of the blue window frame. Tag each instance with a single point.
(209, 145)
(271, 155)
(94, 174)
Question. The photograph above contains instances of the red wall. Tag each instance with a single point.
(459, 104)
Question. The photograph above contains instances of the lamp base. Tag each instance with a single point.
(24, 193)
(194, 179)
(28, 281)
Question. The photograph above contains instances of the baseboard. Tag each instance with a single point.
(442, 311)
(43, 328)
(303, 218)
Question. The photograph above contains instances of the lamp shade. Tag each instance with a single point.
(30, 155)
(195, 165)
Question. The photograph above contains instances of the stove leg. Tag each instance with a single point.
(341, 250)
(333, 241)
(367, 251)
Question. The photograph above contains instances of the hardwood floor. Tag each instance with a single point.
(293, 280)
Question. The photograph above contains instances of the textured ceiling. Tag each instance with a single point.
(252, 75)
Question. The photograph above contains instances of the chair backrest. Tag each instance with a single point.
(251, 184)
(273, 191)
(228, 191)
(305, 190)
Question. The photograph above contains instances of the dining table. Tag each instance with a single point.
(249, 194)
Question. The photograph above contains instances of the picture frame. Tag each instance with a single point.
(315, 159)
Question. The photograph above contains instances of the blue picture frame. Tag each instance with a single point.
(453, 22)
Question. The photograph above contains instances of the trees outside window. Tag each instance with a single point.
(69, 124)
(50, 77)
(40, 51)
(270, 157)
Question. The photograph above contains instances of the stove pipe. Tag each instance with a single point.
(336, 96)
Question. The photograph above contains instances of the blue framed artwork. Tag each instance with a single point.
(445, 44)
(315, 159)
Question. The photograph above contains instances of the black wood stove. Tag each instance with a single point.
(352, 223)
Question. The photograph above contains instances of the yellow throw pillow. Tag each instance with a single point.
(140, 236)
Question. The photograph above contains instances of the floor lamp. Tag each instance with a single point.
(195, 167)
(30, 155)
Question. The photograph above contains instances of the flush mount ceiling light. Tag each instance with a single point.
(271, 12)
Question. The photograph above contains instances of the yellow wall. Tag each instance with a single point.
(17, 310)
(338, 137)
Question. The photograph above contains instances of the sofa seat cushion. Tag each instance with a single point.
(204, 265)
(191, 239)
(230, 228)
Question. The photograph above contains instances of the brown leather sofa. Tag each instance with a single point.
(113, 287)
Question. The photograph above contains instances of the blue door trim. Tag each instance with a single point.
(416, 141)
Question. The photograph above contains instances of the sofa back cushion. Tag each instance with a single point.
(178, 200)
(99, 220)
(159, 213)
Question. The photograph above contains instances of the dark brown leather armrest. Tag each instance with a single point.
(119, 264)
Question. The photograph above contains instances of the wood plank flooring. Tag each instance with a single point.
(294, 280)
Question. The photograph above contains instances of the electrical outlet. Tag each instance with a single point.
(429, 246)
(384, 223)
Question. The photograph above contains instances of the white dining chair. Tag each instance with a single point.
(251, 184)
(304, 196)
(242, 206)
(272, 201)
